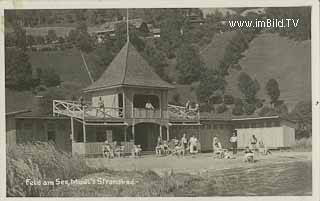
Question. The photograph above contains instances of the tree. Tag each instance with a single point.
(46, 102)
(238, 107)
(18, 71)
(83, 41)
(21, 37)
(157, 60)
(249, 108)
(52, 36)
(144, 29)
(189, 64)
(248, 87)
(171, 32)
(221, 108)
(81, 38)
(49, 77)
(210, 83)
(272, 88)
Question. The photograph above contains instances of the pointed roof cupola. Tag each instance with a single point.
(128, 68)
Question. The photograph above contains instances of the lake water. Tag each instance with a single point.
(290, 179)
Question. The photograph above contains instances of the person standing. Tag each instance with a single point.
(184, 142)
(233, 140)
(253, 142)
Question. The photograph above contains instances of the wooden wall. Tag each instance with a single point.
(10, 130)
(205, 133)
(37, 129)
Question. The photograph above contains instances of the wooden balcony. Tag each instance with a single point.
(88, 112)
(181, 113)
(85, 111)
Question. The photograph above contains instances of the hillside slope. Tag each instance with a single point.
(67, 63)
(287, 61)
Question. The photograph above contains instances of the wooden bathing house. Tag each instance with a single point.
(135, 108)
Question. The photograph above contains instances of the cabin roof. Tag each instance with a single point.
(128, 68)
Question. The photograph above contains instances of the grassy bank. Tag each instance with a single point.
(40, 161)
(43, 162)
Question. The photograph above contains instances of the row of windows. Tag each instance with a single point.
(216, 126)
(262, 124)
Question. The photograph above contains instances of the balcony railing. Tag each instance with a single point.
(179, 112)
(85, 111)
(146, 113)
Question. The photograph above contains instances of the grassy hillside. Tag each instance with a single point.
(287, 61)
(67, 63)
(213, 54)
(18, 100)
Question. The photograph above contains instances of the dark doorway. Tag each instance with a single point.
(146, 135)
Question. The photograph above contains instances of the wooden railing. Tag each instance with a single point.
(180, 112)
(96, 148)
(146, 113)
(83, 111)
(103, 113)
(67, 108)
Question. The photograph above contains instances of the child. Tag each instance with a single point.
(248, 157)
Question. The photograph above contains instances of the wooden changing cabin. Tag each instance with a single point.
(135, 107)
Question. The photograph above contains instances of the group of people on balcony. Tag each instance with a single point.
(177, 147)
(189, 108)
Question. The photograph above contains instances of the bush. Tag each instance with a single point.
(221, 108)
(238, 107)
(205, 107)
(216, 100)
(228, 100)
(304, 144)
(249, 108)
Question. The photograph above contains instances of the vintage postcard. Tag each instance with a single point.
(160, 100)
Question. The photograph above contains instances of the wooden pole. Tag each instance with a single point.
(168, 133)
(133, 133)
(160, 131)
(84, 131)
(125, 134)
(72, 130)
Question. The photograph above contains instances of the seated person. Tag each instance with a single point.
(227, 154)
(165, 147)
(217, 148)
(178, 150)
(118, 151)
(248, 155)
(149, 106)
(193, 141)
(159, 149)
(263, 148)
(107, 150)
(136, 150)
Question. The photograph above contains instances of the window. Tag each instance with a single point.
(246, 125)
(253, 125)
(269, 124)
(51, 131)
(221, 126)
(140, 100)
(276, 123)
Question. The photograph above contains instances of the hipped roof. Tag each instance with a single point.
(128, 68)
